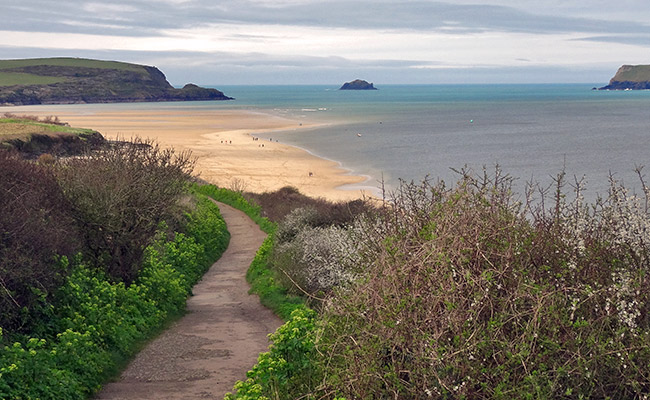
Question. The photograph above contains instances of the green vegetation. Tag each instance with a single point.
(70, 62)
(24, 127)
(21, 78)
(72, 313)
(633, 73)
(34, 137)
(465, 292)
(438, 292)
(75, 80)
(8, 78)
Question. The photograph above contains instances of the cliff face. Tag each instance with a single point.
(630, 77)
(358, 84)
(91, 81)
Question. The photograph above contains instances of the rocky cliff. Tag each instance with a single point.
(72, 80)
(630, 77)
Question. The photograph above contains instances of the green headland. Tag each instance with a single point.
(78, 80)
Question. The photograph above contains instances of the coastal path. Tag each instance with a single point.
(203, 354)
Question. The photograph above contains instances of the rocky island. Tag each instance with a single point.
(77, 80)
(630, 77)
(358, 84)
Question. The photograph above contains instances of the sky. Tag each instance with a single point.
(235, 42)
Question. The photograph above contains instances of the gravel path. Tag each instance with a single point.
(204, 353)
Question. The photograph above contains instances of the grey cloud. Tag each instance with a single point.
(636, 40)
(255, 68)
(146, 16)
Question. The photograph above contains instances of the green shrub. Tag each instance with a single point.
(96, 322)
(287, 369)
(118, 196)
(34, 227)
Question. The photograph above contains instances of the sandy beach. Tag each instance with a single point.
(224, 143)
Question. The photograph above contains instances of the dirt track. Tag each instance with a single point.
(203, 354)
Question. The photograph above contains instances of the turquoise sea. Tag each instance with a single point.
(413, 131)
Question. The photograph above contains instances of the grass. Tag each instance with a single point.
(25, 127)
(70, 62)
(19, 78)
(638, 73)
(9, 78)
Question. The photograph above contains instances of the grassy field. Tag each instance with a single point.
(10, 78)
(70, 62)
(24, 128)
(17, 78)
(636, 73)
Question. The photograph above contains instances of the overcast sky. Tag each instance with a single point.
(219, 42)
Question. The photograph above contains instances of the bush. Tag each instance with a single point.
(34, 228)
(315, 260)
(471, 295)
(118, 198)
(319, 246)
(95, 323)
(277, 205)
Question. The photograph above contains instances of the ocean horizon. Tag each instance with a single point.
(410, 132)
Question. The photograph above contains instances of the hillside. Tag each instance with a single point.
(630, 77)
(76, 80)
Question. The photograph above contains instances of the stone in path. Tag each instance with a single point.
(203, 354)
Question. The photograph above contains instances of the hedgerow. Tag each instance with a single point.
(95, 322)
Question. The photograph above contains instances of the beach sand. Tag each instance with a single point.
(223, 143)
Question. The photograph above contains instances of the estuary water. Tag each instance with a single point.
(412, 131)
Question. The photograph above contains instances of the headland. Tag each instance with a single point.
(77, 80)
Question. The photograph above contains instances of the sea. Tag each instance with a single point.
(416, 132)
(532, 132)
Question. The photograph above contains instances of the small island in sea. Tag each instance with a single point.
(358, 84)
(630, 77)
(78, 80)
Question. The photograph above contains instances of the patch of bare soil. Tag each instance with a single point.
(204, 353)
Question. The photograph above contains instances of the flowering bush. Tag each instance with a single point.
(316, 259)
(474, 295)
